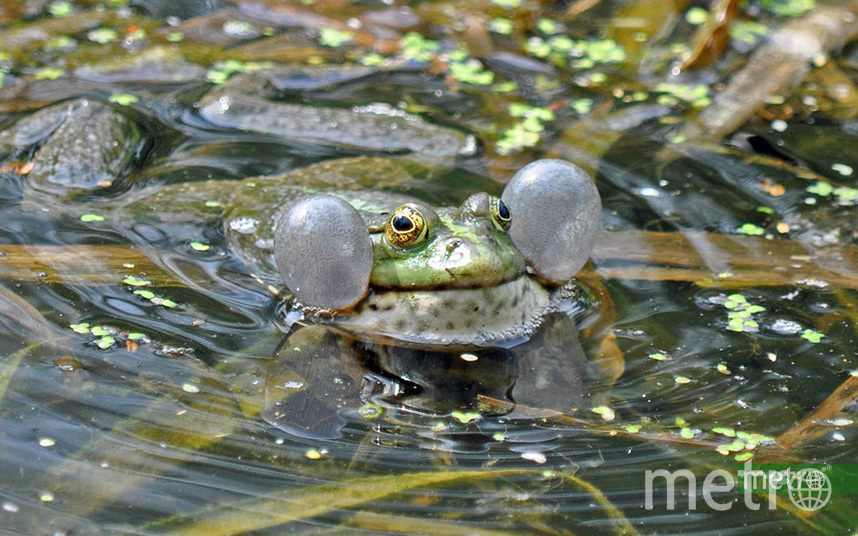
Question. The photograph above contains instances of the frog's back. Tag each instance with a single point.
(255, 204)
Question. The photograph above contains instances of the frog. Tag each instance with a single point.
(387, 297)
(378, 281)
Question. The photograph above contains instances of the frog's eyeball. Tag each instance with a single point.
(558, 214)
(323, 252)
(501, 216)
(406, 227)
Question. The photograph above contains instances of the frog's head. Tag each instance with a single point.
(489, 257)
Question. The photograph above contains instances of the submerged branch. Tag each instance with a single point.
(704, 258)
(818, 421)
(289, 506)
(779, 65)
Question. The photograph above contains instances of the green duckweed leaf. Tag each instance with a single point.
(124, 99)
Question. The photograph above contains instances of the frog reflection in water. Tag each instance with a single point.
(433, 306)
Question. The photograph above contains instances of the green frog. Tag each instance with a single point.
(380, 269)
(430, 306)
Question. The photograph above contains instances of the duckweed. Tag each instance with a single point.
(123, 99)
(102, 36)
(331, 37)
(507, 4)
(696, 16)
(812, 335)
(605, 412)
(501, 26)
(60, 9)
(748, 32)
(788, 8)
(465, 417)
(751, 230)
(135, 282)
(49, 73)
(416, 47)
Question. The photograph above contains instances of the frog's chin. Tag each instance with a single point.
(453, 319)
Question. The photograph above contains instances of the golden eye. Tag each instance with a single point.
(501, 216)
(406, 227)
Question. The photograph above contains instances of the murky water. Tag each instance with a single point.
(134, 365)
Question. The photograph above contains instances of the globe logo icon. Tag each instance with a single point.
(810, 490)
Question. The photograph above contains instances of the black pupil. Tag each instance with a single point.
(503, 211)
(402, 223)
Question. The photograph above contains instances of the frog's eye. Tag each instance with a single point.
(406, 227)
(501, 216)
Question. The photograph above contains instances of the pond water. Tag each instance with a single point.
(137, 361)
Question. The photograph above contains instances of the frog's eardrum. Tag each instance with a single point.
(323, 252)
(556, 216)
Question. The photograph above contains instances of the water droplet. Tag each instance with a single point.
(244, 225)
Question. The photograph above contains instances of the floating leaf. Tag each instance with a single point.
(501, 25)
(170, 304)
(546, 26)
(605, 412)
(199, 246)
(135, 282)
(99, 331)
(508, 4)
(60, 9)
(146, 294)
(845, 194)
(49, 73)
(82, 328)
(88, 218)
(124, 99)
(102, 36)
(812, 335)
(331, 37)
(416, 47)
(465, 417)
(696, 16)
(751, 230)
(372, 59)
(820, 188)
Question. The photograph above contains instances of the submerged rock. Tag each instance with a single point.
(380, 128)
(153, 65)
(82, 145)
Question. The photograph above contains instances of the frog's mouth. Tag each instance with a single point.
(497, 316)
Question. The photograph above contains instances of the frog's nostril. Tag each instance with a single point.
(453, 244)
